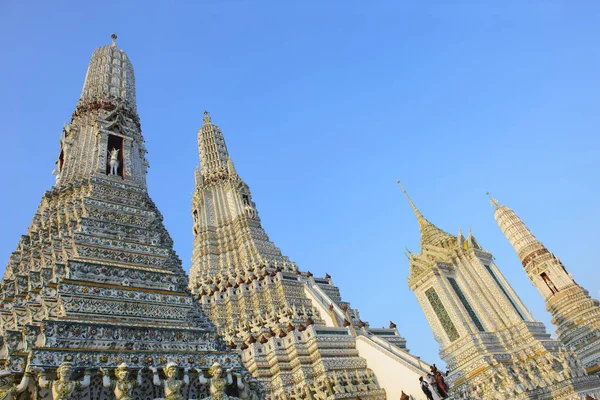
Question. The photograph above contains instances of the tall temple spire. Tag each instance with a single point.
(430, 234)
(95, 283)
(212, 150)
(104, 135)
(110, 76)
(575, 313)
(418, 214)
(488, 339)
(294, 329)
(493, 201)
(515, 230)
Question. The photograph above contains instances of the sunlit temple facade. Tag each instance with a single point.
(95, 303)
(574, 312)
(493, 347)
(94, 299)
(294, 331)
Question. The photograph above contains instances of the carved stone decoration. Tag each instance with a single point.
(123, 387)
(218, 383)
(30, 336)
(171, 386)
(8, 389)
(64, 388)
(250, 388)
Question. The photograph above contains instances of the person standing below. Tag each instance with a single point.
(441, 384)
(433, 386)
(425, 388)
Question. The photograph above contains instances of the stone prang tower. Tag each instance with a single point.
(493, 347)
(574, 312)
(95, 282)
(296, 334)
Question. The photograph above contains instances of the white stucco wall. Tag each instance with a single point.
(392, 374)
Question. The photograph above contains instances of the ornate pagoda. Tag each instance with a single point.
(296, 334)
(574, 312)
(95, 284)
(492, 345)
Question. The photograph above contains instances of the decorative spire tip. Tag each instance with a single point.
(114, 38)
(492, 200)
(420, 217)
(206, 118)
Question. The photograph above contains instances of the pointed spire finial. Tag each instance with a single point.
(493, 200)
(114, 38)
(206, 118)
(420, 217)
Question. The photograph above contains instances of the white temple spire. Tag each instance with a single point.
(575, 313)
(430, 234)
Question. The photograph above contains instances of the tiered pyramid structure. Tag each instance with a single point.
(297, 335)
(95, 281)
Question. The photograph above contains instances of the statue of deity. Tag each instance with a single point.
(171, 385)
(8, 389)
(114, 161)
(122, 386)
(576, 363)
(217, 382)
(338, 387)
(250, 389)
(321, 388)
(63, 387)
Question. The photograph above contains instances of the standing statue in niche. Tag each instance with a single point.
(8, 389)
(114, 161)
(171, 385)
(218, 383)
(63, 388)
(123, 387)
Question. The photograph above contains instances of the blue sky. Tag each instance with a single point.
(323, 106)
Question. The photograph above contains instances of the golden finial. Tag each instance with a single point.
(493, 200)
(206, 118)
(114, 37)
(420, 217)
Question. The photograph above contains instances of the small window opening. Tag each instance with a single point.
(115, 143)
(246, 199)
(61, 160)
(549, 283)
